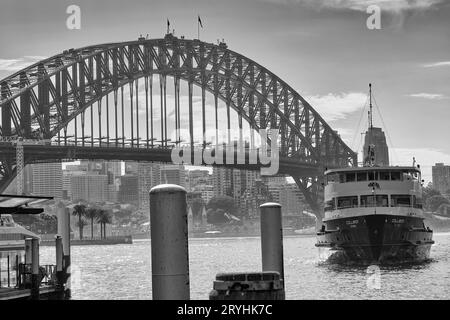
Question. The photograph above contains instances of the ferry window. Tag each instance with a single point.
(384, 175)
(330, 205)
(382, 200)
(334, 177)
(395, 175)
(361, 176)
(350, 177)
(347, 202)
(341, 178)
(372, 175)
(369, 201)
(400, 200)
(411, 175)
(417, 202)
(406, 176)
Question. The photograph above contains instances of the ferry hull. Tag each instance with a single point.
(376, 239)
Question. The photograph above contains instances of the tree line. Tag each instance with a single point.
(90, 214)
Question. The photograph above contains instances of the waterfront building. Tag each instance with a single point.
(287, 194)
(115, 167)
(66, 182)
(197, 177)
(47, 179)
(98, 166)
(173, 174)
(441, 178)
(222, 181)
(206, 191)
(131, 167)
(91, 187)
(128, 189)
(233, 182)
(291, 199)
(253, 197)
(148, 177)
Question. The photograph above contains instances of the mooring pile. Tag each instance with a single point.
(170, 253)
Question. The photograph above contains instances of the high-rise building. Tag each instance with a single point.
(287, 194)
(291, 199)
(441, 178)
(236, 183)
(148, 177)
(90, 187)
(66, 182)
(131, 167)
(173, 174)
(253, 197)
(197, 177)
(375, 136)
(47, 179)
(115, 167)
(222, 181)
(98, 166)
(128, 190)
(206, 190)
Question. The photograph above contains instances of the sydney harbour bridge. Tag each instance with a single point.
(125, 101)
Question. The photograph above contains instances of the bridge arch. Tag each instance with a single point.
(44, 98)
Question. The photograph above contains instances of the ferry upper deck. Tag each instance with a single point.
(392, 190)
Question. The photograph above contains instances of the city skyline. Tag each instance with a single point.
(323, 50)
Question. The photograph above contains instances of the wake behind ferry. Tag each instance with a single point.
(373, 213)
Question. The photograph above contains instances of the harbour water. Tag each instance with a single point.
(124, 271)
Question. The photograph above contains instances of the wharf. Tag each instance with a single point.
(84, 242)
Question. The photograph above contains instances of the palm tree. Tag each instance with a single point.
(81, 224)
(79, 210)
(92, 214)
(104, 217)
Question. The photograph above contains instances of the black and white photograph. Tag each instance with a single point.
(225, 154)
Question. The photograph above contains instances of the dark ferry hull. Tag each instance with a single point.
(376, 239)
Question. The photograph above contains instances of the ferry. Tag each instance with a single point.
(373, 213)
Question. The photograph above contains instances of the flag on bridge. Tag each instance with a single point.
(199, 24)
(168, 26)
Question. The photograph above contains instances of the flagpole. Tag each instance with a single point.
(198, 28)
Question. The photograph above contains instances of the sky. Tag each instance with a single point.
(321, 48)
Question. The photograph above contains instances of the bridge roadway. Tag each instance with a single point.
(66, 153)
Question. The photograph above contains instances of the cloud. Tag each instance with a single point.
(430, 96)
(394, 6)
(437, 64)
(337, 106)
(18, 64)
